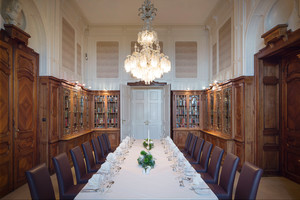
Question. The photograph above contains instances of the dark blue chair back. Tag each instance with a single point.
(248, 182)
(39, 183)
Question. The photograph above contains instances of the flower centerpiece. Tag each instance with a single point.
(148, 144)
(146, 161)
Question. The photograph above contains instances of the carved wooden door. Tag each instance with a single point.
(25, 112)
(6, 146)
(291, 117)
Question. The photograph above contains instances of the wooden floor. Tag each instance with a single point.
(269, 188)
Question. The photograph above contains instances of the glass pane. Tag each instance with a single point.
(193, 111)
(181, 111)
(87, 110)
(81, 111)
(211, 110)
(206, 119)
(66, 111)
(112, 111)
(227, 110)
(218, 110)
(75, 112)
(99, 111)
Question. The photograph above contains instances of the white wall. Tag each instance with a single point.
(168, 35)
(44, 24)
(250, 19)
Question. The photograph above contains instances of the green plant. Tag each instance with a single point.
(146, 159)
(151, 144)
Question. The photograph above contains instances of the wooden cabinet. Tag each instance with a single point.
(277, 82)
(106, 115)
(186, 115)
(18, 97)
(230, 122)
(66, 116)
(106, 109)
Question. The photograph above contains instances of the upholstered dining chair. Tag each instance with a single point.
(80, 170)
(187, 143)
(107, 142)
(97, 151)
(197, 152)
(191, 147)
(89, 158)
(201, 167)
(39, 183)
(103, 147)
(212, 174)
(223, 190)
(67, 189)
(248, 182)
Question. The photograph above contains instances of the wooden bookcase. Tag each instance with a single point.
(222, 115)
(229, 117)
(186, 115)
(106, 115)
(67, 114)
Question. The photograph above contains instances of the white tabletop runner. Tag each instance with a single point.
(160, 183)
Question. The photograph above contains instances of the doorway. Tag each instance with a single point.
(146, 108)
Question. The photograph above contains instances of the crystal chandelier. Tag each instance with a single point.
(147, 63)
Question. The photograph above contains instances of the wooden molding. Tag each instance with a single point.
(142, 83)
(16, 33)
(270, 131)
(271, 147)
(276, 33)
(270, 80)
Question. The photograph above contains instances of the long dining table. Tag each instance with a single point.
(161, 183)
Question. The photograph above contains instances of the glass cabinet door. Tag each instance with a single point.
(112, 111)
(218, 110)
(75, 112)
(194, 111)
(211, 104)
(205, 117)
(227, 110)
(87, 110)
(181, 111)
(66, 112)
(81, 123)
(99, 111)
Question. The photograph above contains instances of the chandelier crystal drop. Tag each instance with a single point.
(147, 63)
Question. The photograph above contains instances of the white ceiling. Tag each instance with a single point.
(125, 12)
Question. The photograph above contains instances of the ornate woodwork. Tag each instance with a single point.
(186, 114)
(66, 118)
(277, 82)
(228, 111)
(18, 99)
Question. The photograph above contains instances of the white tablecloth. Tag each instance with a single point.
(160, 183)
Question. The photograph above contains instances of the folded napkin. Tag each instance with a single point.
(94, 181)
(197, 180)
(105, 167)
(111, 157)
(122, 145)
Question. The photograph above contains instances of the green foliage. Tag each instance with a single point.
(151, 144)
(146, 160)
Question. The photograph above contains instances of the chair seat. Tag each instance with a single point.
(207, 178)
(73, 191)
(219, 191)
(199, 168)
(191, 160)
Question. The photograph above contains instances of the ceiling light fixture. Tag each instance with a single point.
(147, 63)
